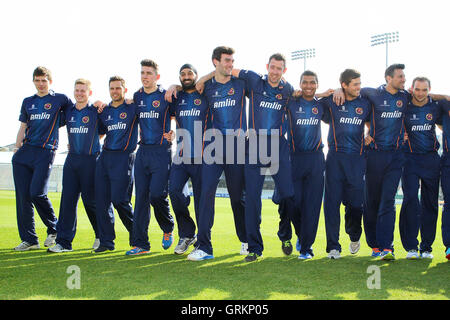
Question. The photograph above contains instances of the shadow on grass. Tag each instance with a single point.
(163, 275)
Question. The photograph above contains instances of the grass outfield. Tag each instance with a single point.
(164, 275)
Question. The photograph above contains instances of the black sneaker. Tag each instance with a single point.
(286, 247)
(251, 257)
(102, 249)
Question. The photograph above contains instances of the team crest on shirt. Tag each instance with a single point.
(315, 110)
(47, 106)
(197, 102)
(85, 119)
(359, 111)
(429, 116)
(123, 115)
(156, 103)
(399, 103)
(231, 92)
(279, 96)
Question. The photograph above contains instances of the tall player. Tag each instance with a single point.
(225, 96)
(84, 131)
(422, 167)
(190, 113)
(345, 164)
(153, 160)
(34, 152)
(114, 169)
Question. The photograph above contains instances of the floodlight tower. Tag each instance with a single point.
(385, 38)
(303, 54)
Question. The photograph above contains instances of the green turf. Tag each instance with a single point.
(164, 275)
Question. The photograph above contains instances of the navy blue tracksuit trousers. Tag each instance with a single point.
(384, 170)
(283, 182)
(31, 171)
(234, 178)
(344, 183)
(78, 178)
(113, 184)
(415, 214)
(152, 170)
(179, 175)
(445, 183)
(308, 177)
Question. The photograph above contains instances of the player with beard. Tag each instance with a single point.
(189, 110)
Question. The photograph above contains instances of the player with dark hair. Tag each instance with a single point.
(34, 152)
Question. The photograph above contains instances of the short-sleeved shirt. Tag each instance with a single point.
(346, 132)
(386, 123)
(121, 127)
(153, 113)
(304, 133)
(83, 130)
(43, 116)
(420, 124)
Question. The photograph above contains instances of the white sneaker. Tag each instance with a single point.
(412, 255)
(334, 254)
(50, 241)
(426, 255)
(199, 255)
(57, 248)
(354, 246)
(244, 249)
(25, 246)
(96, 244)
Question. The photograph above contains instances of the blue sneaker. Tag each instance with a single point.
(447, 254)
(136, 251)
(387, 255)
(376, 252)
(305, 256)
(297, 245)
(167, 240)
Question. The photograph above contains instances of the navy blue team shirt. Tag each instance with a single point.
(420, 124)
(346, 132)
(43, 116)
(121, 127)
(387, 120)
(267, 108)
(305, 134)
(189, 109)
(153, 113)
(83, 130)
(226, 103)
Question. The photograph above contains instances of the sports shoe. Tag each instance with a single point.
(354, 246)
(412, 255)
(167, 240)
(252, 257)
(25, 246)
(305, 256)
(57, 248)
(50, 241)
(376, 252)
(135, 251)
(447, 254)
(199, 255)
(426, 255)
(96, 243)
(286, 247)
(334, 254)
(387, 254)
(244, 249)
(183, 245)
(102, 249)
